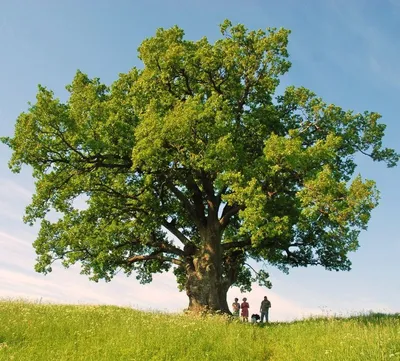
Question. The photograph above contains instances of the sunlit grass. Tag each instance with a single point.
(47, 332)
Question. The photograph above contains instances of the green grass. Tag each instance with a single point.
(45, 332)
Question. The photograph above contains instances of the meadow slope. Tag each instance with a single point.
(46, 332)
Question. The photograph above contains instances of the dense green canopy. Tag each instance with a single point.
(198, 145)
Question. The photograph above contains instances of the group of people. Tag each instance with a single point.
(243, 310)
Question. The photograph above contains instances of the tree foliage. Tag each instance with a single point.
(198, 145)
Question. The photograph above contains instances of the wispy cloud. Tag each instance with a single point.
(67, 286)
(18, 279)
(378, 49)
(10, 189)
(17, 242)
(13, 200)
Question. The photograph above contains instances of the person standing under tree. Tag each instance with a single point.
(236, 307)
(245, 310)
(264, 309)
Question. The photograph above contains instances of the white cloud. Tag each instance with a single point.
(282, 309)
(67, 286)
(18, 279)
(12, 190)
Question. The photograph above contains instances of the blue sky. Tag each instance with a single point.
(345, 51)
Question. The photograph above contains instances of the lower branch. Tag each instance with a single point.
(236, 244)
(175, 231)
(154, 256)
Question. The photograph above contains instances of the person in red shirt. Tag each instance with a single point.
(245, 310)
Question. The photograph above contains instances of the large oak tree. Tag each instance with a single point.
(197, 145)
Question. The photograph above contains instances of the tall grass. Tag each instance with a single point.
(57, 332)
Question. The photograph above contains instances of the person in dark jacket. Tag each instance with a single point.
(264, 309)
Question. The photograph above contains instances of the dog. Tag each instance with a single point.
(255, 318)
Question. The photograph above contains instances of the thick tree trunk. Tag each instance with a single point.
(206, 293)
(206, 287)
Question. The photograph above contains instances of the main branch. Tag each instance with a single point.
(228, 212)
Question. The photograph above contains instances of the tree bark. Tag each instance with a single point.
(206, 292)
(206, 286)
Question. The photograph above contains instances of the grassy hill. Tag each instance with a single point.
(58, 332)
